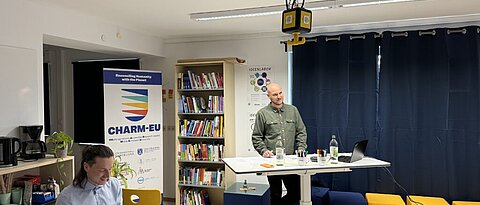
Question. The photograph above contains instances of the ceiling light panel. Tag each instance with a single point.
(277, 9)
(356, 3)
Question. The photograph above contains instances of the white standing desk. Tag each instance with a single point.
(249, 165)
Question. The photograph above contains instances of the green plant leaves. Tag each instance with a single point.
(60, 140)
(121, 170)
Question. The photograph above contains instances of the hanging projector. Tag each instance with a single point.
(296, 20)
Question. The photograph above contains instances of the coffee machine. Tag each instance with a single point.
(32, 146)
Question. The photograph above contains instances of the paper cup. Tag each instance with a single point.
(5, 198)
(17, 196)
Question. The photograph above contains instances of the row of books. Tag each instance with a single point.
(193, 104)
(201, 176)
(191, 80)
(194, 196)
(207, 127)
(201, 152)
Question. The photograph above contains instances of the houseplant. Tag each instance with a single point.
(121, 170)
(62, 144)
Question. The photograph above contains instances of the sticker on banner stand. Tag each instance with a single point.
(140, 180)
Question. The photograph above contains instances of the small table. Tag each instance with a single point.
(249, 165)
(259, 196)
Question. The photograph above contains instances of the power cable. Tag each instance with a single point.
(401, 187)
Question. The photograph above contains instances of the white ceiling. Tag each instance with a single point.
(171, 20)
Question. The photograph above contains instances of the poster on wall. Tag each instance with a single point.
(133, 123)
(259, 78)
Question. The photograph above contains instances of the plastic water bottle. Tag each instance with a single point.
(279, 153)
(333, 150)
(53, 186)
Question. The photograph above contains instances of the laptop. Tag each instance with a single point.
(357, 154)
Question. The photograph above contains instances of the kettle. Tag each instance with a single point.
(8, 153)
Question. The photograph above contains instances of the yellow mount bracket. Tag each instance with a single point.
(296, 40)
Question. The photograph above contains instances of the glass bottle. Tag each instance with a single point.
(279, 153)
(333, 150)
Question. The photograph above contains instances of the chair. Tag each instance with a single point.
(344, 198)
(319, 195)
(141, 196)
(465, 203)
(384, 199)
(426, 200)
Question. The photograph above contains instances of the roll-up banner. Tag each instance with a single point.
(133, 123)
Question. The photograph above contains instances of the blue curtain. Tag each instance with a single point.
(334, 88)
(420, 109)
(429, 111)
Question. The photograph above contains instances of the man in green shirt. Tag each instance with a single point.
(279, 121)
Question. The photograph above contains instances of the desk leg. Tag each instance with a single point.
(305, 189)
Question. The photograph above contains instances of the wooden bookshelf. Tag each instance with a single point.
(183, 74)
(46, 167)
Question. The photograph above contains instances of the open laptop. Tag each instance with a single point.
(357, 154)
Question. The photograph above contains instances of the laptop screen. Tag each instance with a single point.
(359, 150)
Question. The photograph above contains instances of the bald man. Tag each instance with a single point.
(279, 121)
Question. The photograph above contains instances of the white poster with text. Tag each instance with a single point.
(259, 78)
(133, 123)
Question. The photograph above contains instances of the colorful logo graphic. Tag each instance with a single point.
(260, 81)
(137, 102)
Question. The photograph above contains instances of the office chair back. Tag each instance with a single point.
(141, 196)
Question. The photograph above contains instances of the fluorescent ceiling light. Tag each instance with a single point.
(237, 13)
(356, 3)
(258, 11)
(278, 9)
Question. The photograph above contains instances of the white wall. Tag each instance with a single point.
(18, 90)
(256, 51)
(25, 26)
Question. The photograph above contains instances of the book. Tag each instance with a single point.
(220, 80)
(180, 81)
(190, 79)
(221, 126)
(186, 81)
(205, 196)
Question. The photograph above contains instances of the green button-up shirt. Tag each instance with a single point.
(272, 124)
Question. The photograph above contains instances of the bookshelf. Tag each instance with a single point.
(45, 167)
(205, 127)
